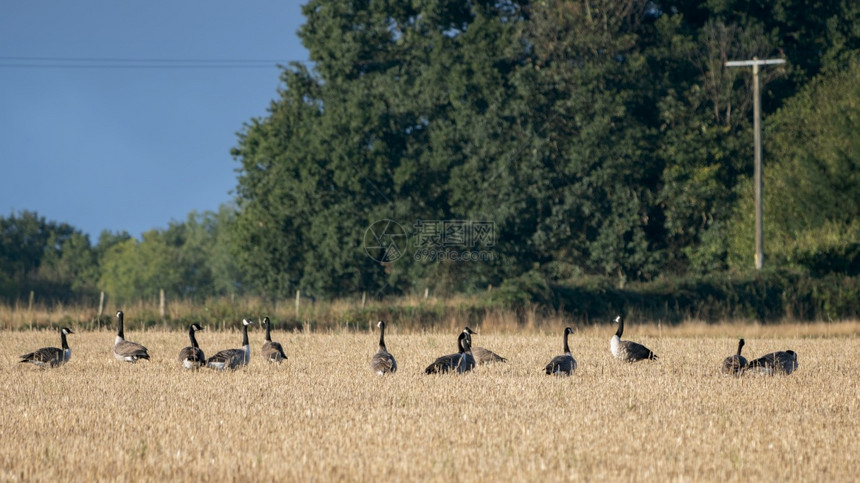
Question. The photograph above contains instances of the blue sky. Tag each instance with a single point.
(132, 148)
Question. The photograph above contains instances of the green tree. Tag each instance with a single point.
(812, 185)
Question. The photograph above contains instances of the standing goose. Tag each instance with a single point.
(125, 350)
(272, 351)
(782, 362)
(50, 357)
(484, 356)
(462, 361)
(735, 364)
(233, 358)
(564, 364)
(382, 362)
(625, 350)
(192, 357)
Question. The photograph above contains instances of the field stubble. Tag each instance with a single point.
(323, 415)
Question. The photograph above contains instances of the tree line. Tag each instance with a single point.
(588, 140)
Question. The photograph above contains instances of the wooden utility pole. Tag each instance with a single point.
(759, 223)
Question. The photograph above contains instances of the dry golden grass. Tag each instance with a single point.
(323, 416)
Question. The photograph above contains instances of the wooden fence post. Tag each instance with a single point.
(162, 305)
(298, 302)
(32, 296)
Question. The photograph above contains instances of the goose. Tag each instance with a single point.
(482, 355)
(125, 350)
(192, 357)
(735, 364)
(462, 361)
(625, 350)
(233, 358)
(382, 362)
(782, 362)
(272, 351)
(50, 357)
(564, 364)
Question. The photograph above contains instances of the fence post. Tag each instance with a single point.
(363, 298)
(32, 296)
(162, 304)
(298, 302)
(426, 292)
(101, 305)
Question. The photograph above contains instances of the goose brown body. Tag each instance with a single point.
(125, 350)
(272, 351)
(564, 364)
(735, 364)
(50, 357)
(382, 362)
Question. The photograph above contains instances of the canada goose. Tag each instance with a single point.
(462, 361)
(192, 357)
(482, 355)
(125, 350)
(782, 362)
(272, 351)
(382, 362)
(49, 357)
(735, 364)
(564, 364)
(625, 350)
(233, 358)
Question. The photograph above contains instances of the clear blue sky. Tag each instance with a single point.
(131, 149)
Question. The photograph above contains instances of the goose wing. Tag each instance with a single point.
(273, 351)
(775, 361)
(443, 364)
(46, 355)
(734, 364)
(383, 362)
(486, 356)
(226, 359)
(130, 351)
(563, 364)
(193, 355)
(634, 351)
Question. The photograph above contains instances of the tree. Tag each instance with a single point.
(812, 186)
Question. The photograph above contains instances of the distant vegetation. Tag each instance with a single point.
(583, 158)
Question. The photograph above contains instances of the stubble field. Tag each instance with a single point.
(324, 416)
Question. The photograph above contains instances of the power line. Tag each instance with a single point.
(29, 62)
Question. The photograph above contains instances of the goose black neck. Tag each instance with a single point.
(740, 346)
(268, 331)
(382, 336)
(620, 327)
(192, 337)
(467, 343)
(119, 330)
(244, 334)
(461, 343)
(65, 345)
(566, 347)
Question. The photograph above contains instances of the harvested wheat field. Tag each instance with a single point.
(324, 416)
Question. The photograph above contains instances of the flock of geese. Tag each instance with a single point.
(383, 362)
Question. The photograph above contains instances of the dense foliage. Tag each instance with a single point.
(599, 138)
(530, 146)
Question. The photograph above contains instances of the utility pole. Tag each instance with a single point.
(759, 233)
